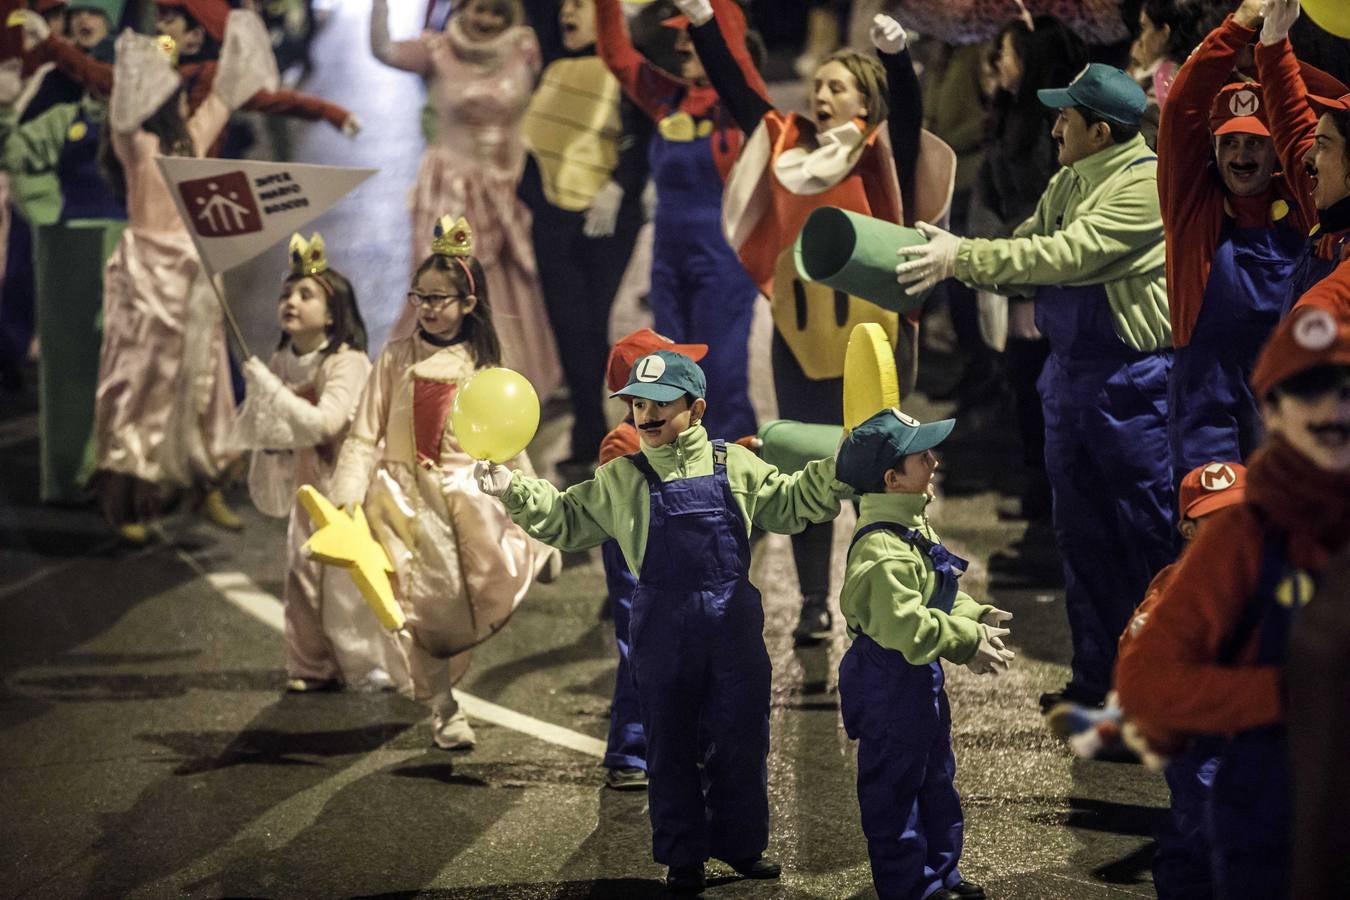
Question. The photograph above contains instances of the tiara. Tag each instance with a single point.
(308, 257)
(452, 237)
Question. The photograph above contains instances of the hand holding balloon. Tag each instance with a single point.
(495, 414)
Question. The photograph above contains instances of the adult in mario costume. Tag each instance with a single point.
(1233, 232)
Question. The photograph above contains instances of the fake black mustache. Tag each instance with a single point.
(1243, 168)
(652, 426)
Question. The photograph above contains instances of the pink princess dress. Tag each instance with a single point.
(479, 91)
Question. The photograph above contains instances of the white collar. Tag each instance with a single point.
(815, 171)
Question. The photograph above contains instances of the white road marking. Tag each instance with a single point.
(242, 592)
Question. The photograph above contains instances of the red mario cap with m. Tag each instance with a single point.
(1209, 488)
(1311, 335)
(210, 14)
(1329, 104)
(1237, 108)
(630, 348)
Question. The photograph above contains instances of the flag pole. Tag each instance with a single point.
(217, 285)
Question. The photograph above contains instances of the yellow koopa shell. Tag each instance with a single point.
(346, 541)
(870, 380)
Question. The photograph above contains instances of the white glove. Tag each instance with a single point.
(649, 200)
(698, 11)
(493, 478)
(996, 617)
(1278, 16)
(247, 63)
(887, 35)
(991, 657)
(35, 27)
(928, 263)
(11, 81)
(351, 126)
(260, 378)
(603, 213)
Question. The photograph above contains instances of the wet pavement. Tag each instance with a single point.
(146, 748)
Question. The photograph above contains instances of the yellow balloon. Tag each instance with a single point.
(1331, 15)
(495, 414)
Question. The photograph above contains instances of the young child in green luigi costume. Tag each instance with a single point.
(681, 510)
(904, 614)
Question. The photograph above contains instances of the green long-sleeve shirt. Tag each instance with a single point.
(616, 502)
(1098, 222)
(888, 583)
(29, 153)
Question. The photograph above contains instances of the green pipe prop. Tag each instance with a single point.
(788, 446)
(857, 255)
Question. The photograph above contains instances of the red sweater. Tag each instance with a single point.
(197, 76)
(1168, 675)
(653, 89)
(1194, 201)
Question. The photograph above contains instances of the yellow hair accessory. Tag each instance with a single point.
(308, 257)
(452, 237)
(170, 48)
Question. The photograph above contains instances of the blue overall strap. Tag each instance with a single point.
(1274, 545)
(943, 559)
(640, 462)
(719, 451)
(1141, 160)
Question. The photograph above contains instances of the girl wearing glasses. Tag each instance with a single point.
(461, 565)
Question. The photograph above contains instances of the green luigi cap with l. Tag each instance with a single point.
(664, 376)
(111, 9)
(879, 444)
(1105, 90)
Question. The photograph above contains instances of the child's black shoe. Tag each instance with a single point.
(686, 879)
(756, 868)
(968, 890)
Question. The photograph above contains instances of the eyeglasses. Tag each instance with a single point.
(435, 301)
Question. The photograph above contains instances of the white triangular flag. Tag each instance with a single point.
(235, 209)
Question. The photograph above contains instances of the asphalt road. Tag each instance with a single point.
(147, 750)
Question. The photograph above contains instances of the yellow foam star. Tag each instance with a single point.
(346, 541)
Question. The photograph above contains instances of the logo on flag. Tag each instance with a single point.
(222, 206)
(236, 209)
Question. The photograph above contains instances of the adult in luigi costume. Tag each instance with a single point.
(681, 510)
(1092, 255)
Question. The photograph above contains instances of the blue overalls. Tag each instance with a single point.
(702, 673)
(1109, 465)
(1214, 416)
(1248, 815)
(1309, 268)
(1181, 864)
(898, 714)
(627, 744)
(84, 190)
(700, 292)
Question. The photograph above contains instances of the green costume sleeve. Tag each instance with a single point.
(1099, 245)
(583, 516)
(784, 504)
(890, 609)
(967, 607)
(35, 146)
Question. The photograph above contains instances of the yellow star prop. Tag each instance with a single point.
(870, 382)
(346, 541)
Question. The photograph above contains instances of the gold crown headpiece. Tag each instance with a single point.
(308, 257)
(170, 48)
(453, 238)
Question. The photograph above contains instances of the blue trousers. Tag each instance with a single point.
(627, 744)
(911, 814)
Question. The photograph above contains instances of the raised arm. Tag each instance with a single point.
(644, 83)
(410, 56)
(1183, 133)
(905, 119)
(744, 99)
(1292, 121)
(247, 66)
(94, 75)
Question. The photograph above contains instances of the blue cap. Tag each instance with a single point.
(664, 376)
(1105, 90)
(878, 445)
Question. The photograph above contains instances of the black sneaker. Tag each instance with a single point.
(815, 624)
(685, 879)
(967, 890)
(1071, 693)
(756, 868)
(626, 778)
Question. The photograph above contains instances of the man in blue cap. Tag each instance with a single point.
(681, 511)
(1092, 256)
(905, 614)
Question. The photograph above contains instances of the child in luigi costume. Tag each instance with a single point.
(681, 510)
(904, 614)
